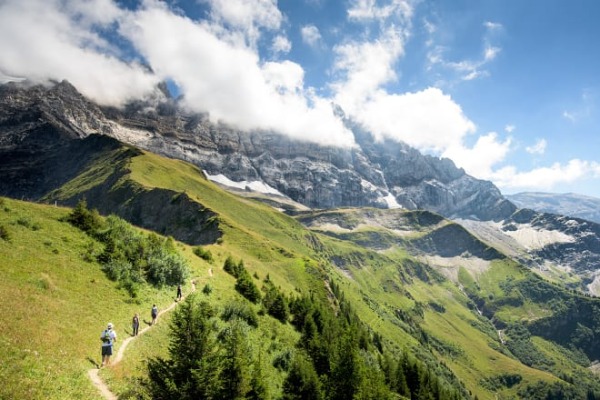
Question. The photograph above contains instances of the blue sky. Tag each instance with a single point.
(508, 89)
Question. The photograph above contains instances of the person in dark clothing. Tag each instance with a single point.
(154, 313)
(179, 295)
(135, 324)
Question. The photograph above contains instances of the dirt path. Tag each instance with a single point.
(93, 373)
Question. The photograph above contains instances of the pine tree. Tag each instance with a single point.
(235, 374)
(302, 382)
(192, 372)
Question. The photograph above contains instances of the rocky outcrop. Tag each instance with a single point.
(372, 174)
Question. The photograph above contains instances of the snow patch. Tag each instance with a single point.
(255, 186)
(391, 202)
(534, 239)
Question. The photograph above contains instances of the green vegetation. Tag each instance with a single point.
(130, 257)
(292, 314)
(203, 254)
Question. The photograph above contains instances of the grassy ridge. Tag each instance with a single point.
(57, 303)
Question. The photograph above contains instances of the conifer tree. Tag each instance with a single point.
(302, 382)
(193, 369)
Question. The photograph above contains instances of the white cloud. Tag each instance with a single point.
(546, 178)
(490, 52)
(480, 160)
(247, 15)
(363, 67)
(428, 120)
(281, 44)
(310, 35)
(371, 9)
(228, 80)
(509, 128)
(53, 39)
(493, 26)
(538, 148)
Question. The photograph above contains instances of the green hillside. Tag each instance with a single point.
(485, 333)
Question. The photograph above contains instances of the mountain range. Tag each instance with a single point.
(432, 258)
(571, 204)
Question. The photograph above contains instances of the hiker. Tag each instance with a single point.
(108, 337)
(135, 324)
(154, 313)
(179, 292)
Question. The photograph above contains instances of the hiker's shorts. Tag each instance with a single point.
(107, 350)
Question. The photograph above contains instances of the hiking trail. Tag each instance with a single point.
(93, 373)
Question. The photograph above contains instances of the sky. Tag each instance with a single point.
(507, 89)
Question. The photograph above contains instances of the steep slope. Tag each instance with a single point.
(563, 249)
(569, 204)
(403, 298)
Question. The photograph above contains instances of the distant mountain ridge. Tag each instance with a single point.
(571, 204)
(383, 175)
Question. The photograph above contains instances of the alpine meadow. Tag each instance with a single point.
(270, 200)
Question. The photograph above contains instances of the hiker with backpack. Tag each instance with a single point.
(154, 313)
(179, 294)
(108, 337)
(135, 324)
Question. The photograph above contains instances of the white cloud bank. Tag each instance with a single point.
(218, 68)
(52, 39)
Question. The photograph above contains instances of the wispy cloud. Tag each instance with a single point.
(466, 69)
(583, 109)
(311, 35)
(361, 10)
(281, 44)
(538, 148)
(248, 16)
(268, 95)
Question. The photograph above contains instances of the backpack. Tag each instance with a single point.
(106, 337)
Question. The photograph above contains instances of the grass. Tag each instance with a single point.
(54, 306)
(55, 301)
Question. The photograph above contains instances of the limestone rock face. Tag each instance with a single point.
(35, 119)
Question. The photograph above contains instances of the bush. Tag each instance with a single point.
(206, 255)
(207, 289)
(166, 269)
(5, 234)
(246, 287)
(84, 219)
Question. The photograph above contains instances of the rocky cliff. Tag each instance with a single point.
(383, 175)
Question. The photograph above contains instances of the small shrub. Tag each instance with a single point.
(207, 289)
(84, 219)
(24, 221)
(206, 255)
(5, 234)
